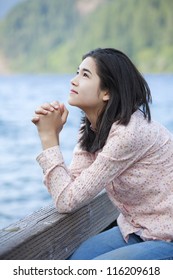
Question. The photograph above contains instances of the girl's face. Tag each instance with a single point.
(85, 90)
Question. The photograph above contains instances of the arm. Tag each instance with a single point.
(71, 192)
(49, 119)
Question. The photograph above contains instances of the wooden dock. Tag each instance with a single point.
(48, 235)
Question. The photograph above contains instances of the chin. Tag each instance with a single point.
(70, 102)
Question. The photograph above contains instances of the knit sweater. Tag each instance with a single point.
(135, 167)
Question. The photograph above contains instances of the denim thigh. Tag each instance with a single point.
(102, 243)
(146, 250)
(110, 245)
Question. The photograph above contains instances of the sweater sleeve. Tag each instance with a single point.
(73, 188)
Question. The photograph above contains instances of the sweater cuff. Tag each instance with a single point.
(50, 158)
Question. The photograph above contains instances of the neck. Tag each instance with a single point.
(92, 120)
(92, 116)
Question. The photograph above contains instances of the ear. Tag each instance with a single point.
(106, 96)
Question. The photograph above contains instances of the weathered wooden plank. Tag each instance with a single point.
(46, 234)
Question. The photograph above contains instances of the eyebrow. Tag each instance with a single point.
(85, 70)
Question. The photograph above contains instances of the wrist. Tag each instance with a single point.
(49, 140)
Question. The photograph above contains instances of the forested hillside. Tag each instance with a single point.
(7, 5)
(51, 36)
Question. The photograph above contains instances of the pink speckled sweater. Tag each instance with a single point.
(135, 167)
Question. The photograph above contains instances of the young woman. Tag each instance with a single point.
(120, 149)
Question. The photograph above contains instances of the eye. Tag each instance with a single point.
(85, 74)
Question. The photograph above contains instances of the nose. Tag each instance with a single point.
(74, 81)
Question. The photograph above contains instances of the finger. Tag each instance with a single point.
(41, 111)
(47, 106)
(55, 104)
(35, 119)
(61, 106)
(64, 115)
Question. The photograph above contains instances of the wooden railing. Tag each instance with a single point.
(46, 234)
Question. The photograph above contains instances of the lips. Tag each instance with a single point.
(72, 91)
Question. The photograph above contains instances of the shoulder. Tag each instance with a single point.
(137, 123)
(138, 134)
(139, 131)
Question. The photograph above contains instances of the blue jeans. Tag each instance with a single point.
(110, 245)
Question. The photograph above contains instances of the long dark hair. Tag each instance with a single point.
(128, 91)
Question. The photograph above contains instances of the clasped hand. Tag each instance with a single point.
(50, 118)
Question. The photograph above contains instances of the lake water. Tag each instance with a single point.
(21, 187)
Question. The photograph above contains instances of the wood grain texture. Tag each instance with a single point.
(47, 235)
